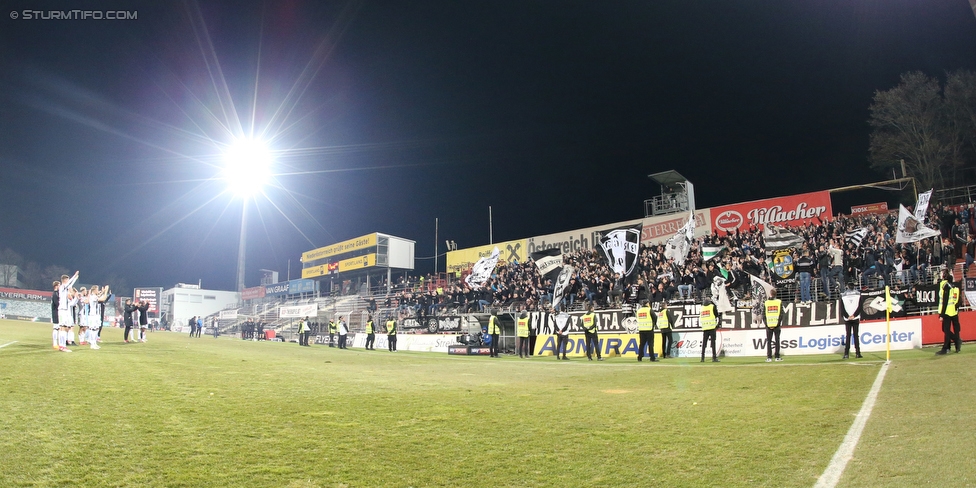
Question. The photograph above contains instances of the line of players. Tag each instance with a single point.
(87, 308)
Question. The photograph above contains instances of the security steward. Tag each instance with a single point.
(494, 330)
(646, 320)
(773, 308)
(391, 326)
(590, 333)
(708, 319)
(332, 332)
(852, 326)
(303, 332)
(370, 334)
(665, 318)
(949, 311)
(522, 333)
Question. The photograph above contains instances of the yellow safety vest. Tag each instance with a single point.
(391, 327)
(332, 327)
(952, 307)
(301, 326)
(493, 327)
(522, 327)
(645, 319)
(589, 322)
(708, 319)
(773, 309)
(662, 319)
(369, 327)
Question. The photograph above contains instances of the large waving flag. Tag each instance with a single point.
(481, 270)
(922, 206)
(548, 262)
(910, 229)
(777, 238)
(620, 247)
(679, 244)
(856, 236)
(709, 252)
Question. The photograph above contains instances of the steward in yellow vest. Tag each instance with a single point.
(646, 320)
(332, 332)
(522, 334)
(949, 311)
(370, 334)
(664, 318)
(494, 330)
(391, 326)
(708, 319)
(590, 328)
(772, 310)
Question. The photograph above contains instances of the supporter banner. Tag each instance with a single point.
(548, 261)
(483, 269)
(18, 294)
(970, 291)
(870, 208)
(783, 211)
(610, 345)
(922, 205)
(228, 315)
(151, 295)
(432, 325)
(911, 229)
(337, 249)
(509, 251)
(253, 293)
(873, 303)
(422, 343)
(620, 248)
(298, 311)
(926, 295)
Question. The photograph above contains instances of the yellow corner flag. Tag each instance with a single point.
(888, 323)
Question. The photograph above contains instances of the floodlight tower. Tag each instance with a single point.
(247, 167)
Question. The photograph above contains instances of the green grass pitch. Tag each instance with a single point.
(223, 412)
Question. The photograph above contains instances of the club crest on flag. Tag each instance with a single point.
(620, 247)
(783, 263)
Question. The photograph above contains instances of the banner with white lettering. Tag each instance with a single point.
(298, 311)
(783, 211)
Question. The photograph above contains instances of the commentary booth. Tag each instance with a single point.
(358, 264)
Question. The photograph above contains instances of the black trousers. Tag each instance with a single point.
(706, 335)
(371, 341)
(391, 342)
(332, 339)
(592, 342)
(307, 334)
(646, 337)
(128, 328)
(561, 342)
(666, 341)
(951, 329)
(851, 328)
(342, 341)
(523, 346)
(493, 347)
(772, 335)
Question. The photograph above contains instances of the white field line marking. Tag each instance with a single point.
(831, 475)
(7, 344)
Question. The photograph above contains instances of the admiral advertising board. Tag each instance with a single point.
(788, 211)
(151, 295)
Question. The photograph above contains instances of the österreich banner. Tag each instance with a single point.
(783, 211)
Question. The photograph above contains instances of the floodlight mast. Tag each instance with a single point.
(247, 169)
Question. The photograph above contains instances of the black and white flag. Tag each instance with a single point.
(548, 262)
(482, 270)
(922, 206)
(620, 247)
(910, 229)
(562, 283)
(778, 238)
(679, 244)
(856, 236)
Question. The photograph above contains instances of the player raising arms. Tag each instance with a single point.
(82, 297)
(94, 317)
(64, 311)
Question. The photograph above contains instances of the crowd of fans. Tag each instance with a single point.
(825, 265)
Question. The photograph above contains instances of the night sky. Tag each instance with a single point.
(387, 115)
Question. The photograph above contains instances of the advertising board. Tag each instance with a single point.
(787, 211)
(340, 248)
(151, 295)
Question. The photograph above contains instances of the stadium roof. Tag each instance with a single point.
(667, 178)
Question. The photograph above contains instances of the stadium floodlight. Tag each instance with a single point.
(247, 166)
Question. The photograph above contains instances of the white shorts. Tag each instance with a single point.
(64, 317)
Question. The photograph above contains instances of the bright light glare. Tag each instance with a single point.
(247, 166)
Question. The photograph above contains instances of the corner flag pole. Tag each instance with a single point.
(888, 323)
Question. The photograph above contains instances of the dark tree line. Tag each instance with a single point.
(38, 277)
(928, 124)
